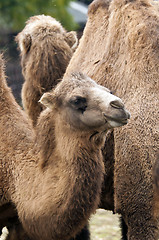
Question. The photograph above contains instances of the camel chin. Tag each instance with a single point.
(115, 123)
(118, 121)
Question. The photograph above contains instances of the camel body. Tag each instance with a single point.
(46, 49)
(53, 173)
(119, 47)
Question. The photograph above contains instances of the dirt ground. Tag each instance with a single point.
(104, 225)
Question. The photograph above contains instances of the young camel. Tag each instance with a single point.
(119, 48)
(53, 173)
(46, 49)
(45, 40)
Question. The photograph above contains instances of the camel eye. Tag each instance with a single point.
(79, 103)
(112, 92)
(78, 100)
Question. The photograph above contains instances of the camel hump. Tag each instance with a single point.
(120, 3)
(98, 4)
(116, 3)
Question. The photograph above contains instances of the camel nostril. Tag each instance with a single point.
(117, 104)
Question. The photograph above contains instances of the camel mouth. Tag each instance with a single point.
(120, 121)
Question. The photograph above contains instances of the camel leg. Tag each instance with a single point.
(124, 229)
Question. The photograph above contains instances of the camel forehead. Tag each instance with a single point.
(78, 82)
(89, 88)
(80, 85)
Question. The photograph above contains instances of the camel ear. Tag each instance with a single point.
(24, 42)
(71, 39)
(47, 100)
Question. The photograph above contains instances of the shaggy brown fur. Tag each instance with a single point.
(120, 47)
(23, 130)
(46, 49)
(53, 174)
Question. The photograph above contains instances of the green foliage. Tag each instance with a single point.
(14, 13)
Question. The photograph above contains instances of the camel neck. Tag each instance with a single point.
(76, 173)
(56, 137)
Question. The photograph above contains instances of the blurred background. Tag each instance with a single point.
(14, 14)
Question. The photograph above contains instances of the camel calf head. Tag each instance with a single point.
(87, 105)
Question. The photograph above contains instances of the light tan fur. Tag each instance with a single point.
(46, 49)
(53, 173)
(120, 49)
